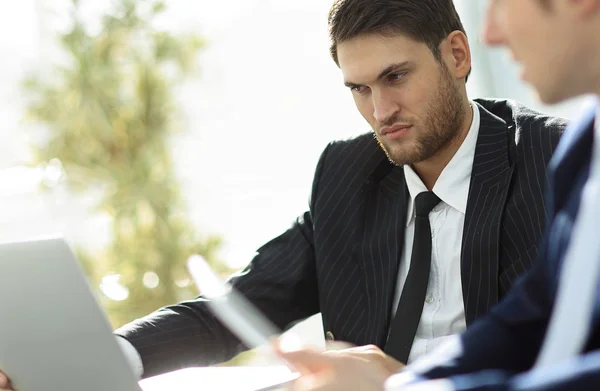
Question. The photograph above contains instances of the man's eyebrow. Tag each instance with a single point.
(395, 67)
(385, 72)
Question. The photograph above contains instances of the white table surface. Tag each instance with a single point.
(218, 378)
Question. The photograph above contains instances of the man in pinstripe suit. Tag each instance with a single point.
(406, 63)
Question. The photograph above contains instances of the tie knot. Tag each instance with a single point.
(425, 202)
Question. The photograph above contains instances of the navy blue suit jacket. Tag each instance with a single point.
(499, 350)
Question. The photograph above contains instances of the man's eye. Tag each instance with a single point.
(396, 76)
(358, 89)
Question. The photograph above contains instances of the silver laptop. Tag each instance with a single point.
(54, 334)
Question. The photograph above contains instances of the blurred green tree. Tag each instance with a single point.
(107, 114)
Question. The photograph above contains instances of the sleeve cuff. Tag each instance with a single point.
(132, 355)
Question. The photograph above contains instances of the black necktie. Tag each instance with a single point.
(405, 323)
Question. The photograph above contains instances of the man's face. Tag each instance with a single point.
(411, 100)
(542, 36)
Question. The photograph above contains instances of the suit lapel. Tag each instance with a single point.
(490, 182)
(381, 244)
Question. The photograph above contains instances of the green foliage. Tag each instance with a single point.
(107, 114)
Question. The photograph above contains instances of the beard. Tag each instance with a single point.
(440, 125)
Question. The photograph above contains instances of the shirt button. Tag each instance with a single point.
(329, 336)
(430, 299)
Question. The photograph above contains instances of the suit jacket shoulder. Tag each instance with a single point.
(345, 165)
(363, 149)
(532, 138)
(531, 128)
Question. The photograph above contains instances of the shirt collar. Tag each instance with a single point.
(452, 187)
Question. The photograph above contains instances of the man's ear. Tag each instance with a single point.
(456, 53)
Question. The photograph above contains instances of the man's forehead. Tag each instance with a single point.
(372, 44)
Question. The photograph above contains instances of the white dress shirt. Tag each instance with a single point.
(443, 313)
(132, 355)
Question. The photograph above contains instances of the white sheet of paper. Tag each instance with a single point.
(219, 378)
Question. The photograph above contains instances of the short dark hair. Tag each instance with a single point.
(427, 21)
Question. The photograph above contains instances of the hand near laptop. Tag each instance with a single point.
(337, 371)
(370, 354)
(5, 383)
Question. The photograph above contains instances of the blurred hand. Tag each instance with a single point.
(5, 383)
(372, 355)
(333, 372)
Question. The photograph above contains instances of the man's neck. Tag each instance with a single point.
(429, 170)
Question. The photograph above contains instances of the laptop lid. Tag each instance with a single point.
(53, 332)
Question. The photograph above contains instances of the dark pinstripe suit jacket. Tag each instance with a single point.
(341, 258)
